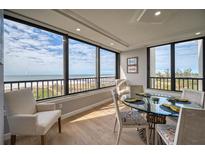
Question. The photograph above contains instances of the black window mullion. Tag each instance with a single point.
(98, 67)
(66, 64)
(173, 86)
(148, 68)
(117, 69)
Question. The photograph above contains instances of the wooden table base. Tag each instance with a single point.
(154, 119)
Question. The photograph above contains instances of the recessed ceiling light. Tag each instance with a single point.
(78, 29)
(198, 33)
(157, 13)
(111, 43)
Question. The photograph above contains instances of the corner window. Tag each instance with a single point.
(176, 66)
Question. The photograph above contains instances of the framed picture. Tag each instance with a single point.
(132, 65)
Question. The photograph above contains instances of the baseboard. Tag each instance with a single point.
(70, 114)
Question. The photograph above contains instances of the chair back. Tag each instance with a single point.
(117, 81)
(136, 89)
(121, 84)
(194, 96)
(20, 102)
(122, 87)
(115, 100)
(190, 127)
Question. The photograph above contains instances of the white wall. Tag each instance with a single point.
(139, 78)
(1, 79)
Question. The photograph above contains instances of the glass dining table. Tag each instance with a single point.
(153, 105)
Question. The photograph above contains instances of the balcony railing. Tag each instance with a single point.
(161, 83)
(189, 83)
(164, 83)
(82, 84)
(107, 81)
(43, 89)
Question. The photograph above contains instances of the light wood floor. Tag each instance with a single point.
(92, 127)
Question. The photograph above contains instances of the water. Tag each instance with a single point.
(44, 77)
(31, 77)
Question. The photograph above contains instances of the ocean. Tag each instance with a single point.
(45, 77)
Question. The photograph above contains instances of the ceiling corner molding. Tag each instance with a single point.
(76, 17)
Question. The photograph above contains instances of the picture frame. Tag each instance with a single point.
(132, 65)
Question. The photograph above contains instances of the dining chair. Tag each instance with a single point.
(188, 130)
(27, 117)
(135, 89)
(128, 119)
(193, 96)
(122, 87)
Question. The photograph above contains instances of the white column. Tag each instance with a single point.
(200, 61)
(152, 62)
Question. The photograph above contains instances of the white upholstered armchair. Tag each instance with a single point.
(26, 117)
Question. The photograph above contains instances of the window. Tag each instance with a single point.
(35, 56)
(188, 64)
(107, 68)
(176, 66)
(160, 71)
(82, 66)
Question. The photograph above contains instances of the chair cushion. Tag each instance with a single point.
(167, 133)
(132, 117)
(45, 120)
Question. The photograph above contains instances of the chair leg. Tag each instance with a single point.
(115, 124)
(13, 139)
(43, 139)
(147, 135)
(119, 134)
(59, 125)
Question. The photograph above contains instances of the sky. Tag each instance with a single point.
(82, 58)
(186, 56)
(32, 51)
(162, 55)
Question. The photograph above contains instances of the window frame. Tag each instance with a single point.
(66, 38)
(172, 65)
(99, 66)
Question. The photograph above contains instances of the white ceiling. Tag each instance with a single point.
(127, 29)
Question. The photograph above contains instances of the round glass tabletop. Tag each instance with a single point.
(153, 104)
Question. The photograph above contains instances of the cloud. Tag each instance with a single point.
(32, 51)
(82, 59)
(29, 51)
(107, 60)
(186, 56)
